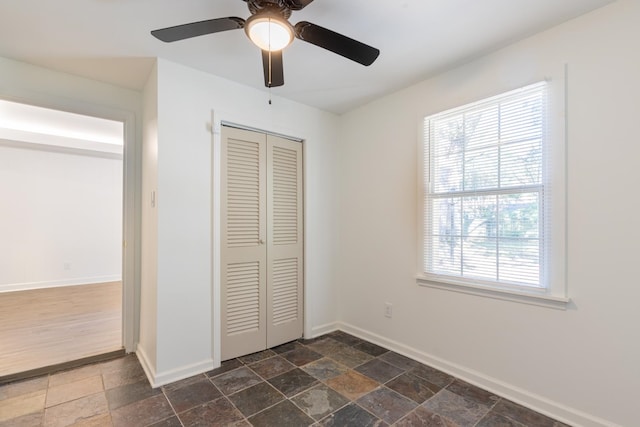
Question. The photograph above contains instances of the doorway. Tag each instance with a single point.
(261, 241)
(61, 263)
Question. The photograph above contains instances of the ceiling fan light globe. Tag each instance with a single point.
(269, 33)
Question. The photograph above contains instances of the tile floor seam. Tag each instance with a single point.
(244, 388)
(76, 399)
(489, 411)
(448, 419)
(263, 378)
(262, 410)
(295, 395)
(355, 402)
(406, 415)
(349, 402)
(244, 417)
(175, 413)
(401, 395)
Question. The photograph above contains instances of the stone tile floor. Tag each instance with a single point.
(334, 380)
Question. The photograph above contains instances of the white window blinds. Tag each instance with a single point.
(484, 205)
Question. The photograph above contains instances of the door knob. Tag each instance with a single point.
(261, 242)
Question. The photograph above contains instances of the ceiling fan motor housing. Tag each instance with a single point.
(275, 7)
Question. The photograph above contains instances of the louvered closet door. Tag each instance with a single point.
(243, 229)
(284, 241)
(261, 225)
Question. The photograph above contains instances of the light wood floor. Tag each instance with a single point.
(45, 327)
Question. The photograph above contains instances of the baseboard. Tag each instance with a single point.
(147, 367)
(173, 375)
(532, 401)
(317, 331)
(59, 283)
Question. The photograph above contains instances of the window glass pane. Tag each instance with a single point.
(448, 149)
(446, 226)
(519, 261)
(519, 215)
(479, 237)
(521, 164)
(446, 255)
(521, 119)
(447, 172)
(481, 169)
(448, 135)
(481, 128)
(479, 216)
(479, 258)
(446, 217)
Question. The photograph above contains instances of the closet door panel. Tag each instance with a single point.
(284, 241)
(243, 258)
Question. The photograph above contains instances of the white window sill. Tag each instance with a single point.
(533, 298)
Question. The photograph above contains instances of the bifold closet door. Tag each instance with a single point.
(261, 242)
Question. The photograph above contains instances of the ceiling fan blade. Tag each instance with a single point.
(273, 69)
(336, 43)
(297, 4)
(195, 29)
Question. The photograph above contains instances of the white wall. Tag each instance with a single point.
(581, 364)
(147, 343)
(185, 303)
(61, 218)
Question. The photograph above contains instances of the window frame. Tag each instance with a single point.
(553, 209)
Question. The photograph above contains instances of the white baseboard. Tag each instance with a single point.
(60, 283)
(532, 401)
(182, 372)
(148, 368)
(316, 331)
(177, 374)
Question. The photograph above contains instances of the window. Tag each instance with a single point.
(486, 193)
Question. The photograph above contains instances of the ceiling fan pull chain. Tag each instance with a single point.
(270, 71)
(270, 75)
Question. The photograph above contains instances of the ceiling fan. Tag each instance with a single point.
(269, 29)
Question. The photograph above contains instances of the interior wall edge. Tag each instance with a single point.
(508, 391)
(147, 366)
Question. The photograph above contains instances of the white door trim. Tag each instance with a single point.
(218, 119)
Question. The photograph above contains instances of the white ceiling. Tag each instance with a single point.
(109, 40)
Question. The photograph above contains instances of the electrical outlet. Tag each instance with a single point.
(388, 309)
